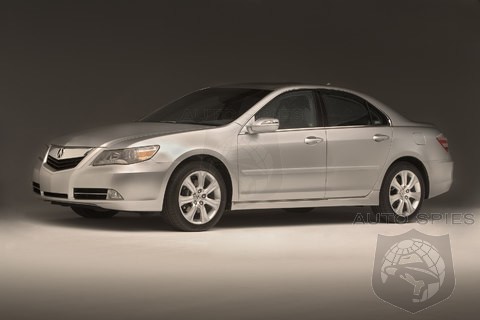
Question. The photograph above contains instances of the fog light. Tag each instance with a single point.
(113, 195)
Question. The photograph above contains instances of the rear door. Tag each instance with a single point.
(358, 143)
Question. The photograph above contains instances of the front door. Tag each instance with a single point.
(290, 163)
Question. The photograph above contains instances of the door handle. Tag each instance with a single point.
(380, 137)
(313, 140)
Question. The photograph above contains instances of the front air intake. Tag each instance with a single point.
(55, 195)
(90, 193)
(36, 187)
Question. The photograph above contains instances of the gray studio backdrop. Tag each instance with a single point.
(67, 66)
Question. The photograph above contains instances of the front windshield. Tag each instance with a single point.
(213, 106)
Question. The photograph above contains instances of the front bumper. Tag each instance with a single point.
(141, 185)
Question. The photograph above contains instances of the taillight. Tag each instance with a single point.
(443, 141)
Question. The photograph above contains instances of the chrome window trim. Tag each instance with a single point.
(245, 131)
(358, 126)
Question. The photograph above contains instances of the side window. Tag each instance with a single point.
(296, 109)
(378, 118)
(344, 111)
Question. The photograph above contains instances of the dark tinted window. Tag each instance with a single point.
(378, 118)
(295, 109)
(214, 106)
(343, 110)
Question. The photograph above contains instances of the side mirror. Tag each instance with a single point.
(263, 125)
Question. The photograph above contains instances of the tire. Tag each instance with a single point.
(92, 213)
(191, 205)
(298, 210)
(402, 193)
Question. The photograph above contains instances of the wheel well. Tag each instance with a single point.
(419, 165)
(219, 165)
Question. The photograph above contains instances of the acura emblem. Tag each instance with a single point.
(60, 153)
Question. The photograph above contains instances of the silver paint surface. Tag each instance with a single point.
(344, 166)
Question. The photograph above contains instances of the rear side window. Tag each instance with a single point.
(378, 118)
(345, 109)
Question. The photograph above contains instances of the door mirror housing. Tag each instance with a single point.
(263, 125)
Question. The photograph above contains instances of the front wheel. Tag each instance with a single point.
(92, 213)
(196, 198)
(402, 193)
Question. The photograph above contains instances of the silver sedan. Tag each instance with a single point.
(249, 146)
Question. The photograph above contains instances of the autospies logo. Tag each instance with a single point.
(413, 271)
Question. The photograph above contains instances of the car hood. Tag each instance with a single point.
(113, 134)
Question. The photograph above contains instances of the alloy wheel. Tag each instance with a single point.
(199, 198)
(405, 193)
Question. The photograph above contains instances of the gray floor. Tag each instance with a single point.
(252, 265)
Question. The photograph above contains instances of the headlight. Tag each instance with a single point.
(125, 156)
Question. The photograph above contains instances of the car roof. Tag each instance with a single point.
(285, 86)
(269, 85)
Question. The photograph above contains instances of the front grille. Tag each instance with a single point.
(55, 195)
(90, 193)
(63, 164)
(36, 187)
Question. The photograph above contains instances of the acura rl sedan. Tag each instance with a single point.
(249, 146)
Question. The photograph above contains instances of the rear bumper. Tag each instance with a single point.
(139, 184)
(440, 177)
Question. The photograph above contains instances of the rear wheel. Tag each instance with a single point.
(402, 193)
(92, 213)
(196, 198)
